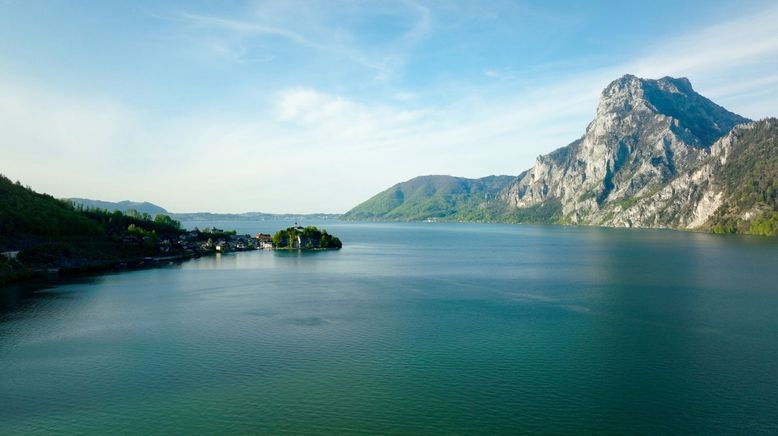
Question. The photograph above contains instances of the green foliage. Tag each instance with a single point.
(167, 221)
(23, 211)
(723, 228)
(281, 239)
(549, 211)
(52, 232)
(132, 213)
(749, 180)
(438, 197)
(452, 199)
(309, 237)
(765, 225)
(147, 237)
(118, 223)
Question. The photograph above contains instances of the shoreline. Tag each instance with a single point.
(54, 274)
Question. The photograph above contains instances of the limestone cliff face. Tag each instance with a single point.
(646, 160)
(687, 201)
(733, 184)
(657, 154)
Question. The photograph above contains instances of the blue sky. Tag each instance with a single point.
(315, 106)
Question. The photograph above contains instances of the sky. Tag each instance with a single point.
(315, 106)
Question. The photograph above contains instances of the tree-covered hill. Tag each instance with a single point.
(25, 213)
(749, 181)
(52, 233)
(432, 197)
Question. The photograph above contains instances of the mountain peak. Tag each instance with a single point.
(635, 83)
(681, 83)
(630, 88)
(646, 133)
(671, 97)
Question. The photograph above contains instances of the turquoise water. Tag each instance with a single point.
(410, 328)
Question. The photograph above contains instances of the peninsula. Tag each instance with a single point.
(44, 236)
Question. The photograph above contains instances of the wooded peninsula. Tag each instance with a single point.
(44, 236)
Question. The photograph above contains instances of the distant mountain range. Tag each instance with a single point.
(657, 154)
(124, 206)
(251, 216)
(152, 209)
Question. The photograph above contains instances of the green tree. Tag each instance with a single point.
(167, 221)
(132, 213)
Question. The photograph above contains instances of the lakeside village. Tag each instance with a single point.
(215, 240)
(41, 236)
(139, 248)
(210, 240)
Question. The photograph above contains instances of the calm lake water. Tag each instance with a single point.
(410, 328)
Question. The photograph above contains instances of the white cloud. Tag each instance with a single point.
(312, 106)
(723, 61)
(88, 126)
(315, 26)
(54, 141)
(310, 150)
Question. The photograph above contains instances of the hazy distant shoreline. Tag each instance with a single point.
(251, 216)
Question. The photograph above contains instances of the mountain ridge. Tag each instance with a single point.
(153, 210)
(123, 206)
(649, 158)
(635, 144)
(432, 197)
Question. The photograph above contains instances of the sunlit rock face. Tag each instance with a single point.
(644, 161)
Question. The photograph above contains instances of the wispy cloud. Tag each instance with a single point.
(740, 54)
(247, 28)
(305, 147)
(311, 25)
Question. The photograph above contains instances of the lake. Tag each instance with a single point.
(411, 328)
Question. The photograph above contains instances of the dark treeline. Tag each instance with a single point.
(25, 213)
(53, 233)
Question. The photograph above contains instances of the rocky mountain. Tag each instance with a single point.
(657, 154)
(123, 206)
(646, 133)
(741, 194)
(433, 197)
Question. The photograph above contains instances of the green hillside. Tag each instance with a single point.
(433, 197)
(52, 233)
(749, 180)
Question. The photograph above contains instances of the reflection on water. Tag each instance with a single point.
(21, 298)
(410, 328)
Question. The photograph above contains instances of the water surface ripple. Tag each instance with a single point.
(411, 328)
